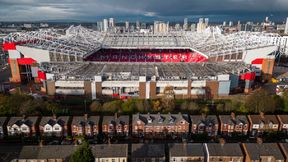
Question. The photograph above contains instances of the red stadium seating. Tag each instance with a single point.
(146, 55)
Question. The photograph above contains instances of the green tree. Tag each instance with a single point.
(96, 106)
(285, 101)
(205, 110)
(220, 107)
(139, 105)
(193, 106)
(184, 105)
(112, 106)
(156, 106)
(82, 154)
(260, 101)
(128, 106)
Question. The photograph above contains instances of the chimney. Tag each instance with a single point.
(109, 141)
(259, 140)
(86, 117)
(116, 116)
(54, 116)
(203, 115)
(262, 114)
(222, 141)
(233, 115)
(41, 143)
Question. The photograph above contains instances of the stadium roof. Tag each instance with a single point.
(132, 71)
(81, 41)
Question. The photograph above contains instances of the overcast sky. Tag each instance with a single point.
(26, 10)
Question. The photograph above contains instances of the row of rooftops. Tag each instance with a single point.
(255, 151)
(81, 41)
(132, 71)
(148, 119)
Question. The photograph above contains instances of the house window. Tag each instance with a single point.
(57, 128)
(47, 129)
(24, 129)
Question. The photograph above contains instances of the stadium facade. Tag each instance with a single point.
(81, 61)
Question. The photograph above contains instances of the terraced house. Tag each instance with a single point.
(186, 152)
(26, 126)
(160, 124)
(54, 126)
(115, 125)
(204, 124)
(224, 152)
(85, 125)
(266, 152)
(283, 123)
(262, 123)
(230, 124)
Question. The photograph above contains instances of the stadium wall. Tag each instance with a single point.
(145, 89)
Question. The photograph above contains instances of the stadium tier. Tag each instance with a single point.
(146, 55)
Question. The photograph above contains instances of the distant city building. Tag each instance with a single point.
(105, 25)
(44, 25)
(224, 23)
(185, 25)
(230, 23)
(161, 27)
(286, 27)
(138, 25)
(143, 25)
(193, 27)
(100, 26)
(111, 22)
(201, 26)
(27, 25)
(177, 27)
(127, 25)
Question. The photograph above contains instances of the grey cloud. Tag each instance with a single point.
(74, 9)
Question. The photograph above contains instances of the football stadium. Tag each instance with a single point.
(84, 62)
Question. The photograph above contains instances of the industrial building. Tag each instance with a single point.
(83, 61)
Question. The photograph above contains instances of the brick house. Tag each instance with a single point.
(204, 124)
(262, 123)
(233, 124)
(110, 152)
(54, 126)
(283, 123)
(224, 152)
(26, 126)
(186, 152)
(160, 124)
(46, 153)
(85, 125)
(148, 153)
(266, 152)
(116, 125)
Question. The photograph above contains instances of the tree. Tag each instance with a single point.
(285, 101)
(220, 107)
(112, 106)
(83, 154)
(184, 105)
(193, 106)
(156, 106)
(260, 101)
(139, 105)
(96, 106)
(128, 106)
(205, 110)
